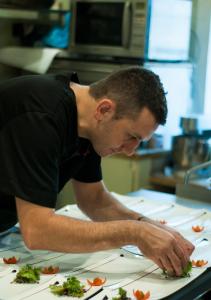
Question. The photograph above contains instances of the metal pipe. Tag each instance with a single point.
(192, 170)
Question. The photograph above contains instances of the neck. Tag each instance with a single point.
(85, 107)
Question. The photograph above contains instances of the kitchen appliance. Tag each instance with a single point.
(191, 147)
(197, 189)
(189, 125)
(117, 28)
(190, 150)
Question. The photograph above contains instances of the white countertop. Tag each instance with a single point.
(131, 271)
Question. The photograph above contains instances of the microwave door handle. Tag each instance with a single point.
(126, 25)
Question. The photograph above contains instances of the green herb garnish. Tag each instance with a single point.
(28, 274)
(122, 295)
(185, 273)
(187, 270)
(71, 287)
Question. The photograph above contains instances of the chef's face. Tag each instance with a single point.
(123, 135)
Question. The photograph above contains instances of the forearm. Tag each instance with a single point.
(108, 208)
(64, 234)
(43, 229)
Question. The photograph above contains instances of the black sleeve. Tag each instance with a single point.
(29, 152)
(91, 168)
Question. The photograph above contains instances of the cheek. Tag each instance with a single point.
(107, 140)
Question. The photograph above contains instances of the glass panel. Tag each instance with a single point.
(170, 28)
(207, 109)
(99, 23)
(176, 79)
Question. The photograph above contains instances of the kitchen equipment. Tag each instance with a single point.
(196, 168)
(155, 142)
(190, 150)
(25, 4)
(189, 125)
(195, 189)
(114, 28)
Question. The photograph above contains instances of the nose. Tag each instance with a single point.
(130, 147)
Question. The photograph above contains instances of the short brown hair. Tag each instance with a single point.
(132, 89)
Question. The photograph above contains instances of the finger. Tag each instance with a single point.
(167, 265)
(170, 272)
(190, 247)
(181, 248)
(159, 263)
(181, 255)
(176, 264)
(186, 244)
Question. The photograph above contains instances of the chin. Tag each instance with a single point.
(105, 153)
(109, 153)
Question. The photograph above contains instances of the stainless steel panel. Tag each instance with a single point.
(138, 26)
(193, 192)
(88, 72)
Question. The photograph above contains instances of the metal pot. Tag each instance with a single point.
(190, 150)
(189, 125)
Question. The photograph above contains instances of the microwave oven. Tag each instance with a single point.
(111, 28)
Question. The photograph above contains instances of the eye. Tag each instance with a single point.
(131, 137)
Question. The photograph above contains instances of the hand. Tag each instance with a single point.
(185, 244)
(164, 247)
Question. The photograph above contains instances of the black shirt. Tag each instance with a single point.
(39, 145)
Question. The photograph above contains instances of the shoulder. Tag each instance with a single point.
(34, 93)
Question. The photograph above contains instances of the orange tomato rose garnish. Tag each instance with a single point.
(96, 282)
(139, 295)
(50, 270)
(199, 263)
(163, 222)
(197, 228)
(10, 260)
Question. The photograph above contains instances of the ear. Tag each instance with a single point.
(105, 109)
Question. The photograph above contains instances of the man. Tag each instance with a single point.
(54, 129)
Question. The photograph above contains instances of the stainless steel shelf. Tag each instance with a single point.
(54, 17)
